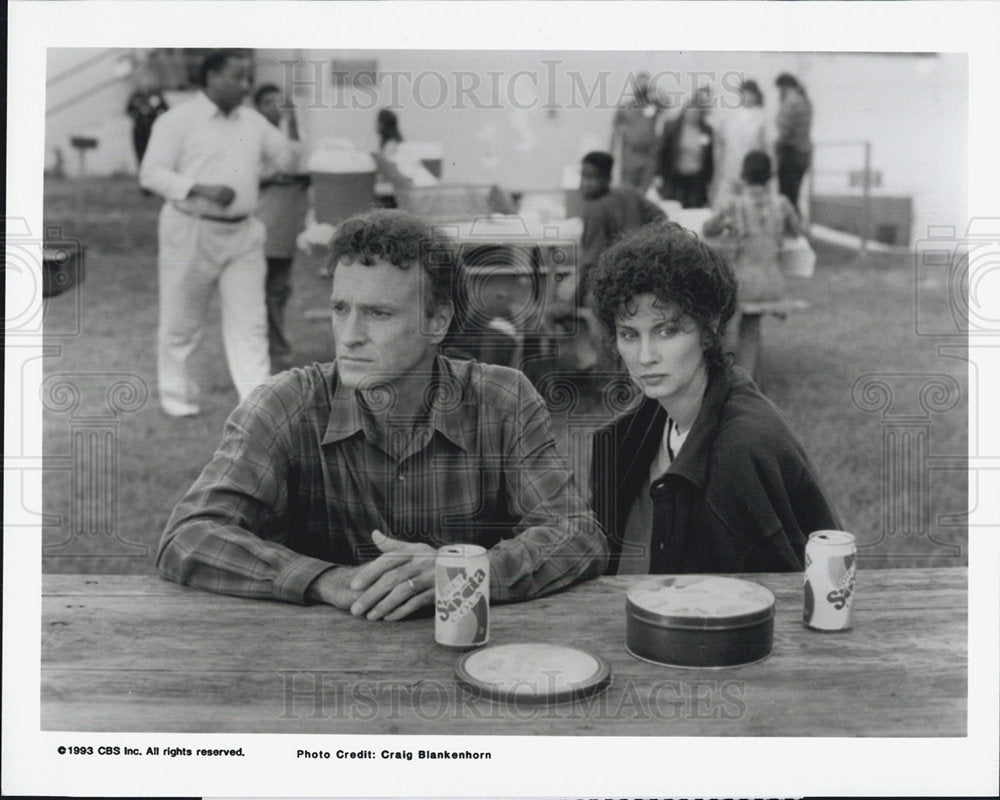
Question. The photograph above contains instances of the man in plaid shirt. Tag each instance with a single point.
(335, 483)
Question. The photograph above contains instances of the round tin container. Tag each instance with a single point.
(699, 621)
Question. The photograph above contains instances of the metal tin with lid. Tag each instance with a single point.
(699, 621)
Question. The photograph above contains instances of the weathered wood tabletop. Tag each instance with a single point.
(138, 653)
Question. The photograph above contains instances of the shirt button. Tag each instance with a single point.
(400, 477)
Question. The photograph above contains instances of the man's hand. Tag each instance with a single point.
(216, 193)
(397, 583)
(333, 587)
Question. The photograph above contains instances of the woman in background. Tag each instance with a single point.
(793, 148)
(704, 475)
(737, 132)
(387, 125)
(685, 161)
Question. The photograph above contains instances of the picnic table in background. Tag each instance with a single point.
(140, 654)
(523, 270)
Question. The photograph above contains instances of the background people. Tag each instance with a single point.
(607, 214)
(205, 159)
(793, 147)
(389, 139)
(755, 221)
(737, 132)
(633, 136)
(283, 204)
(145, 105)
(705, 475)
(398, 169)
(685, 161)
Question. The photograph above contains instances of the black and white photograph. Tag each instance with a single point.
(545, 387)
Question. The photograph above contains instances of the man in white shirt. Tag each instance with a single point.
(205, 159)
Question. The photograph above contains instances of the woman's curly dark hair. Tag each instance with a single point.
(404, 239)
(673, 264)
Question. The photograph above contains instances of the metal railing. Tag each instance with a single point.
(866, 177)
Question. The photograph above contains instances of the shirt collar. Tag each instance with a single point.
(450, 412)
(345, 414)
(644, 433)
(692, 460)
(210, 109)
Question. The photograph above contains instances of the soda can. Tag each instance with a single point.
(829, 580)
(462, 596)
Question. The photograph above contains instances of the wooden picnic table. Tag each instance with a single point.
(141, 654)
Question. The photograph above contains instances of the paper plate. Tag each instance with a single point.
(533, 673)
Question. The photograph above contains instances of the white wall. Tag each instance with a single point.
(914, 110)
(86, 93)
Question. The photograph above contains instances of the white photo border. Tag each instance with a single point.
(565, 766)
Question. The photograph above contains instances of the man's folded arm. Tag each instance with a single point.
(227, 534)
(557, 540)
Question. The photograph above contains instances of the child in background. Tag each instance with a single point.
(607, 213)
(755, 221)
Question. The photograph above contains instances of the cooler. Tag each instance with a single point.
(343, 184)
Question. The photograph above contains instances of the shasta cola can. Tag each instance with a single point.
(462, 596)
(829, 580)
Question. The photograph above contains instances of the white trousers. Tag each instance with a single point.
(196, 255)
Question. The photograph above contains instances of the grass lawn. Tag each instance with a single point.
(112, 479)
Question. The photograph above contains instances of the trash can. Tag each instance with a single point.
(343, 184)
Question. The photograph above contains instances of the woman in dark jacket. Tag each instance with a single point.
(704, 475)
(684, 161)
